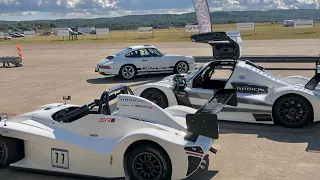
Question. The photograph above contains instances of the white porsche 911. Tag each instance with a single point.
(262, 96)
(135, 138)
(143, 59)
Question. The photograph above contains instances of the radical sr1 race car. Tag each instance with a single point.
(143, 59)
(135, 138)
(262, 96)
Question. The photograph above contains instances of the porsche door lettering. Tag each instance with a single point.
(60, 158)
(250, 88)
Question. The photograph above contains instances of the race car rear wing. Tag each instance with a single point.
(205, 121)
(313, 83)
(225, 45)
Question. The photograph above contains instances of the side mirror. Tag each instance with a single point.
(66, 98)
(4, 118)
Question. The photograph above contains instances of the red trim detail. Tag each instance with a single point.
(194, 154)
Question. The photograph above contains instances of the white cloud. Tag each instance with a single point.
(111, 8)
(25, 13)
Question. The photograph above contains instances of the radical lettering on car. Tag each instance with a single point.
(250, 88)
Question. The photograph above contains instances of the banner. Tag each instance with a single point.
(1, 34)
(29, 34)
(63, 32)
(145, 30)
(203, 15)
(191, 28)
(102, 31)
(303, 24)
(245, 26)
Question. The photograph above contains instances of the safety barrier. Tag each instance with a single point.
(16, 61)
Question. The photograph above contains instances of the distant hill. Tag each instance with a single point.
(164, 20)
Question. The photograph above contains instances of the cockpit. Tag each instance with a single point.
(106, 105)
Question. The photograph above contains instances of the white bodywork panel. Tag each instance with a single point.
(249, 103)
(98, 140)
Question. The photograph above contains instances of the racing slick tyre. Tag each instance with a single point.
(156, 96)
(293, 111)
(10, 151)
(181, 67)
(148, 162)
(127, 72)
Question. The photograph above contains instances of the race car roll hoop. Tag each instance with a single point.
(102, 103)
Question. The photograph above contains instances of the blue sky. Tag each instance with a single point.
(16, 10)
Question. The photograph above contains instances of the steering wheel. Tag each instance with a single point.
(198, 81)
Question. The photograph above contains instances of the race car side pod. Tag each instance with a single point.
(205, 121)
(312, 84)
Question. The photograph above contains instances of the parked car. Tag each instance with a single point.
(135, 138)
(143, 59)
(263, 97)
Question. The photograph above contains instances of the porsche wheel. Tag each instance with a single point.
(148, 162)
(127, 72)
(181, 67)
(292, 111)
(156, 96)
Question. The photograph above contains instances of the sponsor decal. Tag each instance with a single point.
(143, 106)
(107, 120)
(250, 88)
(130, 100)
(154, 68)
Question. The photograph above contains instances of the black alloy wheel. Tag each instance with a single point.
(293, 111)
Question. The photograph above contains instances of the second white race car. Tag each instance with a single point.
(135, 138)
(143, 59)
(262, 96)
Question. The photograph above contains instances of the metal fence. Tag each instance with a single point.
(261, 31)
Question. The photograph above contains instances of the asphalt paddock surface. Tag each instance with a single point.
(245, 151)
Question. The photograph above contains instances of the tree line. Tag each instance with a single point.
(165, 20)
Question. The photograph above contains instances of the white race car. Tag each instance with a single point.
(262, 96)
(135, 138)
(143, 59)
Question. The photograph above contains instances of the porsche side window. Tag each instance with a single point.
(144, 53)
(154, 52)
(134, 54)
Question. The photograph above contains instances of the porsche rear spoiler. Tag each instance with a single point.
(205, 121)
(225, 45)
(312, 84)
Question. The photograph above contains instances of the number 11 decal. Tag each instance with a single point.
(60, 158)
